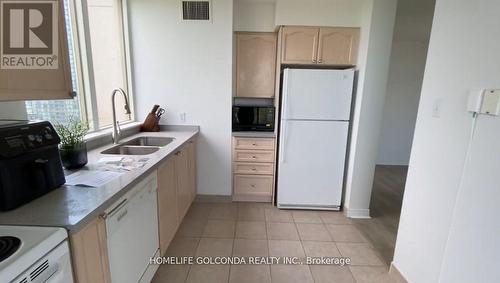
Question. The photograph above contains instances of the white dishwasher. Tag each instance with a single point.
(132, 233)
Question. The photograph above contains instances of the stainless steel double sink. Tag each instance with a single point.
(139, 146)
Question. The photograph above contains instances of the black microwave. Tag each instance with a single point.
(253, 118)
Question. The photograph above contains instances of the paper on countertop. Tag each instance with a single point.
(86, 178)
(111, 159)
(121, 164)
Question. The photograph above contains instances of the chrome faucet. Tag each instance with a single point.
(116, 125)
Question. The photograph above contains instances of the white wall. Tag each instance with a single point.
(186, 67)
(408, 57)
(13, 110)
(254, 15)
(472, 252)
(320, 12)
(268, 15)
(374, 66)
(449, 230)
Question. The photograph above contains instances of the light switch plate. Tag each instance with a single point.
(491, 102)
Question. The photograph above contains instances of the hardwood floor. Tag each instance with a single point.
(385, 209)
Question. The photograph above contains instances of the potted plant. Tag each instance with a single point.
(73, 149)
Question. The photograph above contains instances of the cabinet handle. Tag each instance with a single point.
(254, 144)
(252, 185)
(320, 61)
(177, 153)
(313, 60)
(254, 169)
(254, 157)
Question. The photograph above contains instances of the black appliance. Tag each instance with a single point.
(253, 118)
(30, 165)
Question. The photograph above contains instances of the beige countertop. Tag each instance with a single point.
(73, 207)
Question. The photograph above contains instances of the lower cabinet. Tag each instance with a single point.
(253, 169)
(176, 192)
(182, 176)
(176, 182)
(89, 253)
(191, 151)
(168, 220)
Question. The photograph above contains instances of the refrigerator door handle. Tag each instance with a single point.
(285, 138)
(286, 106)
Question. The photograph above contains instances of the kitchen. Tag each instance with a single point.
(192, 141)
(143, 190)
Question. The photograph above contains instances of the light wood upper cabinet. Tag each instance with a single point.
(89, 253)
(255, 64)
(31, 84)
(338, 46)
(182, 177)
(168, 221)
(322, 46)
(300, 45)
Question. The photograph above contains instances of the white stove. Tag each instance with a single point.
(34, 254)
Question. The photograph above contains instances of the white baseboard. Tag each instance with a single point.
(357, 213)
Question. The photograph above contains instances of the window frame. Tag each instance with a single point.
(84, 66)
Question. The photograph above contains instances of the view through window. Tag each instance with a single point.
(59, 111)
(103, 66)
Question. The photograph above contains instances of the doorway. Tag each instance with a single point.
(407, 65)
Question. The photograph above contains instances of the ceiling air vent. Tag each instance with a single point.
(193, 10)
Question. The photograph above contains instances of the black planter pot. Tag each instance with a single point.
(74, 157)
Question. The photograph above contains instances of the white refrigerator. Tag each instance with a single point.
(314, 126)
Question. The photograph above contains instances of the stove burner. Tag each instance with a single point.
(8, 246)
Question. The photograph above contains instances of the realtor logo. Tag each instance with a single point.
(28, 31)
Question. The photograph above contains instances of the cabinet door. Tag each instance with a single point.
(192, 168)
(300, 45)
(182, 177)
(338, 46)
(20, 83)
(168, 220)
(89, 253)
(255, 64)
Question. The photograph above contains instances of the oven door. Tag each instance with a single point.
(55, 267)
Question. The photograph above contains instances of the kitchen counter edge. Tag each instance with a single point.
(25, 215)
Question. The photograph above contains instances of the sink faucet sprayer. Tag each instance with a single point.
(116, 126)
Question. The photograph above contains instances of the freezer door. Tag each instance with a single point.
(317, 94)
(311, 163)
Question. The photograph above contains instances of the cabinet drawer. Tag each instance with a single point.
(253, 168)
(254, 143)
(254, 156)
(253, 185)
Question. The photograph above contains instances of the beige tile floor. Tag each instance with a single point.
(253, 229)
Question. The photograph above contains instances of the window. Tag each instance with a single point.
(98, 41)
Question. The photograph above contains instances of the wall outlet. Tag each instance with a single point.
(183, 117)
(491, 102)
